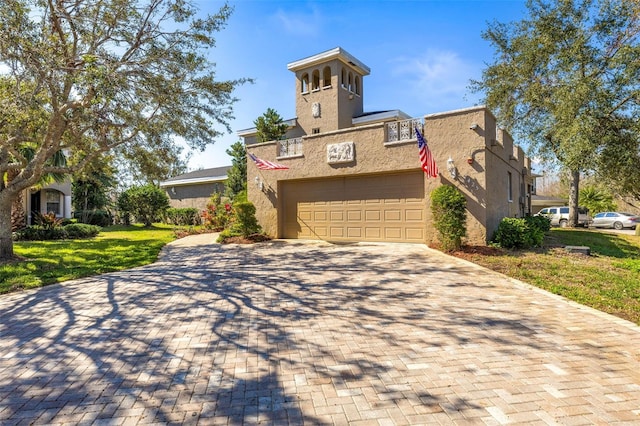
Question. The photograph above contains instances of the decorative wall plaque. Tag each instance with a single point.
(340, 153)
(315, 109)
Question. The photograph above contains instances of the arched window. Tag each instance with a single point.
(350, 86)
(357, 84)
(316, 80)
(326, 77)
(343, 78)
(304, 83)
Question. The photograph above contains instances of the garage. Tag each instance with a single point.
(388, 207)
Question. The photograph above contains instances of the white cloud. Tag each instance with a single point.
(299, 23)
(439, 77)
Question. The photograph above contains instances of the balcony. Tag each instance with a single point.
(290, 148)
(402, 131)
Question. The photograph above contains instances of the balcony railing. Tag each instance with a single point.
(405, 130)
(290, 148)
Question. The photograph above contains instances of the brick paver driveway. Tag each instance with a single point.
(311, 333)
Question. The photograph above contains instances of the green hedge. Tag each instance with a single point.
(94, 217)
(42, 233)
(521, 233)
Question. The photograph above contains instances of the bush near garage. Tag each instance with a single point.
(449, 208)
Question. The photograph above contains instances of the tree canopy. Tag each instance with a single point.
(567, 80)
(91, 76)
(270, 126)
(237, 174)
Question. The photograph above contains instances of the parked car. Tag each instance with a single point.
(559, 216)
(615, 220)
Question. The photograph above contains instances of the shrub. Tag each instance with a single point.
(449, 208)
(147, 203)
(246, 222)
(49, 220)
(40, 233)
(187, 216)
(521, 232)
(93, 217)
(81, 230)
(217, 215)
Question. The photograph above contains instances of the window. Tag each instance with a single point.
(564, 210)
(357, 85)
(304, 86)
(510, 187)
(53, 202)
(350, 85)
(316, 80)
(326, 77)
(315, 130)
(343, 78)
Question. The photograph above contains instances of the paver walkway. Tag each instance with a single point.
(311, 333)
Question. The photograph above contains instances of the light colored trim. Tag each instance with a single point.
(458, 111)
(193, 181)
(292, 122)
(386, 115)
(336, 53)
(288, 157)
(404, 142)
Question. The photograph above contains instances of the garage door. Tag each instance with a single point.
(387, 207)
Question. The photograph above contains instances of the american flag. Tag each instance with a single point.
(426, 160)
(267, 165)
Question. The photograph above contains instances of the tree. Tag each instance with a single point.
(147, 203)
(90, 188)
(596, 200)
(270, 126)
(237, 174)
(91, 76)
(566, 81)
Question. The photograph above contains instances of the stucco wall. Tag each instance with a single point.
(481, 161)
(193, 196)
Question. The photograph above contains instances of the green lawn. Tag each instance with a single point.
(608, 280)
(115, 249)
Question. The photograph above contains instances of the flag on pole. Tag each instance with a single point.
(267, 165)
(426, 160)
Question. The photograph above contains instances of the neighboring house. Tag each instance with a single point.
(195, 188)
(55, 197)
(356, 176)
(538, 202)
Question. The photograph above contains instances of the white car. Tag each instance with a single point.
(615, 220)
(559, 216)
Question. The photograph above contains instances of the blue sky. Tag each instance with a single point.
(422, 53)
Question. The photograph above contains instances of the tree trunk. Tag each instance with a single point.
(18, 220)
(574, 190)
(6, 243)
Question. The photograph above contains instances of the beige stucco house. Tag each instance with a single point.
(55, 197)
(194, 189)
(355, 175)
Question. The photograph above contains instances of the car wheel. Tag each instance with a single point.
(617, 225)
(563, 223)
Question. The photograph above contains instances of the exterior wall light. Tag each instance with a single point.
(474, 126)
(452, 168)
(259, 183)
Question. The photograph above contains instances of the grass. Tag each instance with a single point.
(115, 249)
(608, 280)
